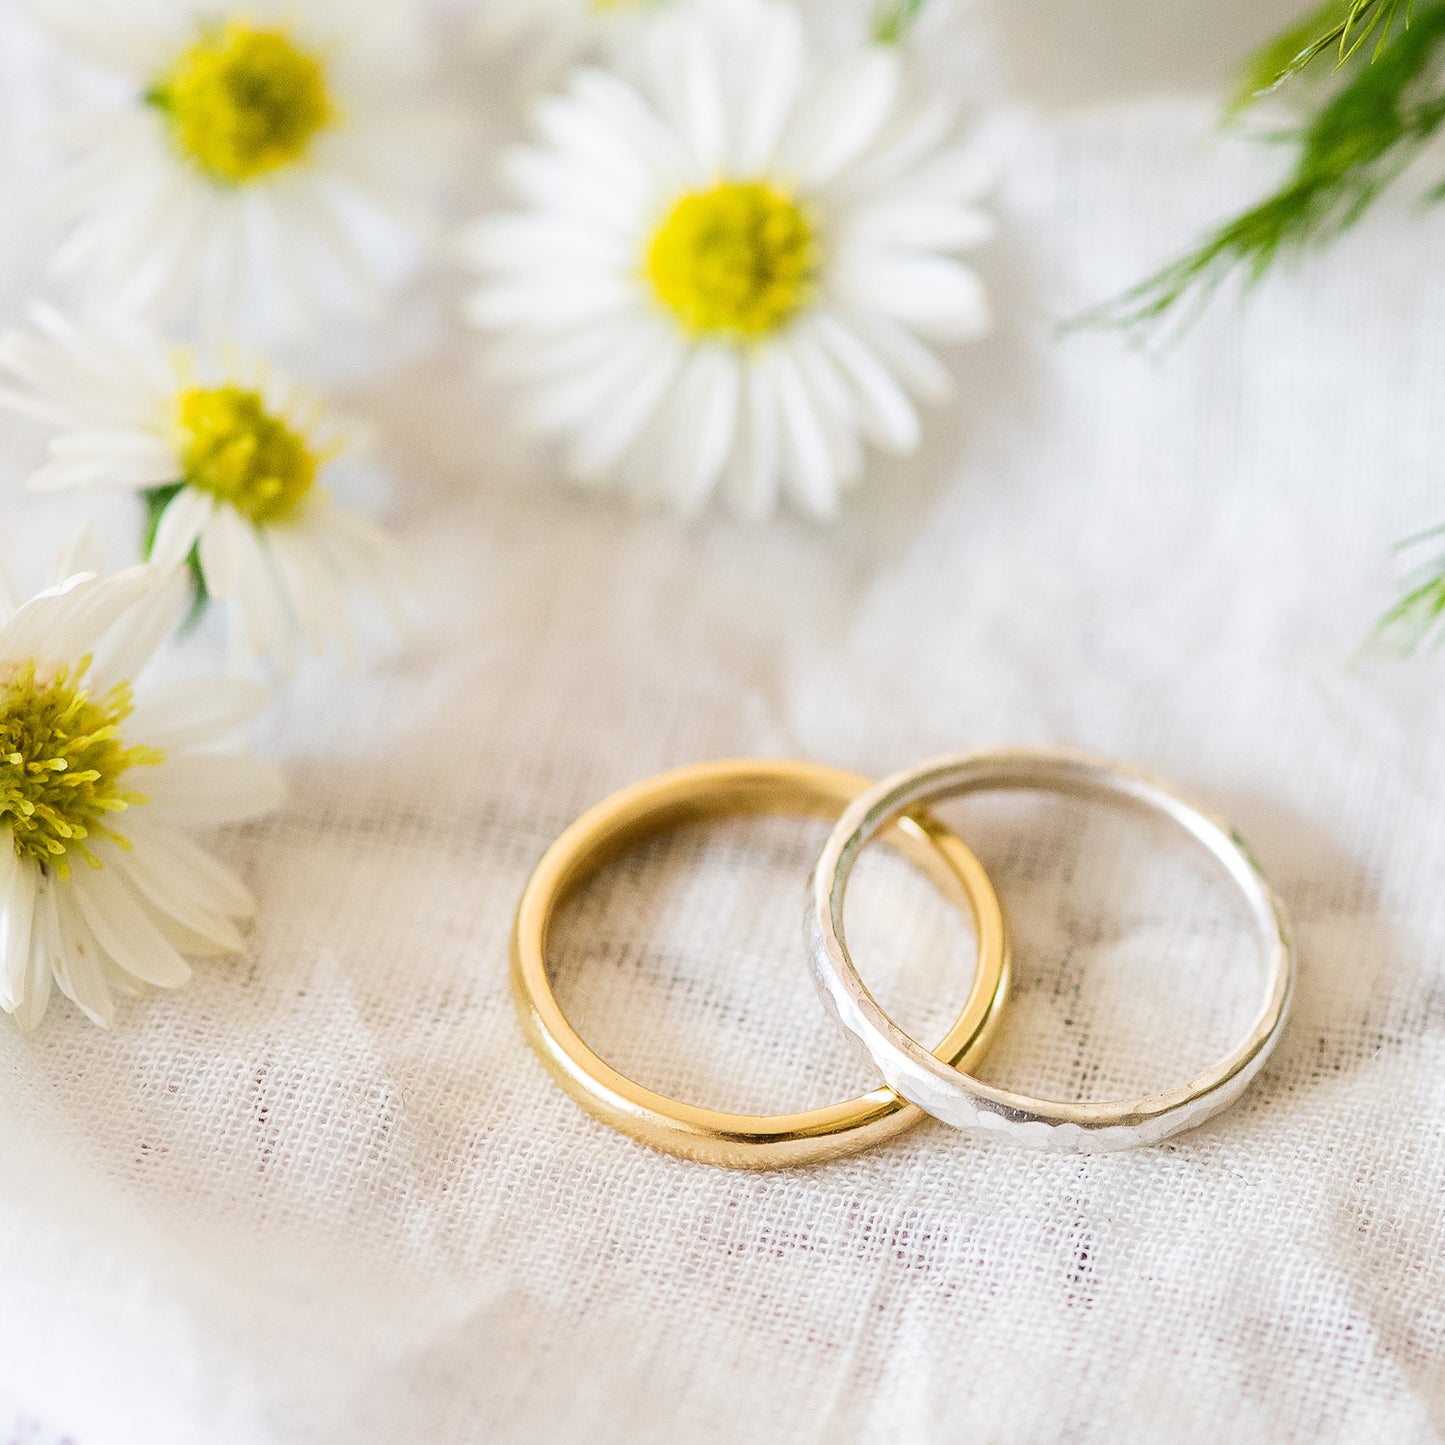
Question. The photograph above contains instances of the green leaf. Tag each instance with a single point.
(156, 500)
(1359, 139)
(893, 19)
(1415, 621)
(1360, 20)
(1366, 16)
(1278, 59)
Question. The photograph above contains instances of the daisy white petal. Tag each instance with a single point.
(226, 450)
(920, 371)
(559, 179)
(913, 137)
(954, 173)
(563, 124)
(515, 241)
(704, 424)
(189, 943)
(926, 223)
(124, 652)
(33, 408)
(122, 984)
(181, 524)
(79, 962)
(760, 478)
(636, 128)
(583, 395)
(223, 551)
(885, 411)
(774, 85)
(203, 790)
(841, 116)
(18, 885)
(538, 39)
(197, 712)
(824, 379)
(166, 903)
(934, 295)
(810, 469)
(622, 417)
(61, 475)
(690, 92)
(362, 555)
(118, 447)
(735, 199)
(101, 891)
(124, 929)
(123, 461)
(69, 620)
(241, 123)
(81, 554)
(314, 589)
(177, 857)
(40, 972)
(264, 600)
(581, 300)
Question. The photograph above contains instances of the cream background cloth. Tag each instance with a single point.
(327, 1195)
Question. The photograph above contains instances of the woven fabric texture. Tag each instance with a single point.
(327, 1195)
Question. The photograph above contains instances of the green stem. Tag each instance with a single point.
(893, 19)
(1357, 142)
(156, 500)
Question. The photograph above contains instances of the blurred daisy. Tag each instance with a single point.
(543, 37)
(102, 889)
(265, 160)
(546, 36)
(230, 459)
(727, 278)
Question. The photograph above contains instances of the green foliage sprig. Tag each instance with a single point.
(1339, 25)
(893, 19)
(1417, 620)
(1385, 102)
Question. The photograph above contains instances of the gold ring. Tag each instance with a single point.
(710, 790)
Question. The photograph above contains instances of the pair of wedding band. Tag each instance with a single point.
(916, 1081)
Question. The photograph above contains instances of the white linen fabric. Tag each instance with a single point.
(328, 1195)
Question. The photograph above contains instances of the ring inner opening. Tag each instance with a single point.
(1136, 965)
(682, 964)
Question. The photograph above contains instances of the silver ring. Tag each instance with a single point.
(980, 1109)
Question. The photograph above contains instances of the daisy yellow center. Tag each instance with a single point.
(243, 101)
(62, 761)
(236, 450)
(735, 260)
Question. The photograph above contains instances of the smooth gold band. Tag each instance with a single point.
(710, 790)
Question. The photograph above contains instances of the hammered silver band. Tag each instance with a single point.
(980, 1109)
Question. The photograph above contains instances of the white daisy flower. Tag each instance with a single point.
(542, 37)
(102, 887)
(230, 459)
(548, 35)
(264, 160)
(728, 276)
